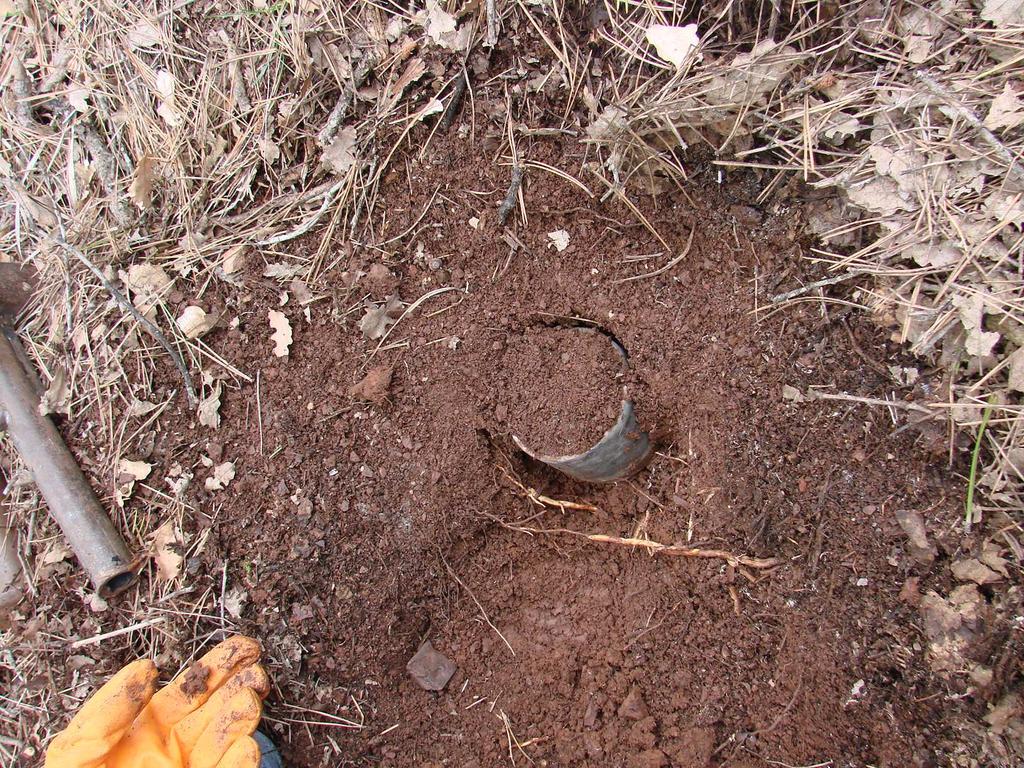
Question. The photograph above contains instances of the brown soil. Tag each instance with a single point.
(558, 389)
(360, 530)
(195, 681)
(379, 502)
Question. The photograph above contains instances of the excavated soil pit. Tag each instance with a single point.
(359, 530)
(559, 389)
(359, 527)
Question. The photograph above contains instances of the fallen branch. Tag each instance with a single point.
(812, 286)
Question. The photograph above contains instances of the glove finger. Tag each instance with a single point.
(238, 718)
(103, 720)
(191, 727)
(244, 753)
(193, 688)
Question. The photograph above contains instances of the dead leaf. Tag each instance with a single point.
(340, 155)
(992, 557)
(282, 336)
(442, 28)
(168, 544)
(269, 150)
(195, 322)
(1005, 206)
(128, 473)
(57, 397)
(222, 476)
(379, 317)
(283, 271)
(234, 259)
(374, 386)
(139, 470)
(55, 553)
(918, 545)
(880, 196)
(141, 188)
(793, 394)
(974, 570)
(209, 408)
(149, 284)
(1007, 110)
(674, 44)
(413, 71)
(559, 239)
(165, 87)
(140, 408)
(145, 34)
(1017, 370)
(1004, 13)
(234, 602)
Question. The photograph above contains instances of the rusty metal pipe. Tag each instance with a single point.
(100, 550)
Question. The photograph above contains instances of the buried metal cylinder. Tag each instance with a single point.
(622, 451)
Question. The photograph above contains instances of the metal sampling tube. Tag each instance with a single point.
(100, 550)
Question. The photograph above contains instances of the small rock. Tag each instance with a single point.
(911, 592)
(633, 706)
(431, 669)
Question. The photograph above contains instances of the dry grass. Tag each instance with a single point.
(887, 110)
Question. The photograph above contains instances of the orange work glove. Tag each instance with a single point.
(203, 719)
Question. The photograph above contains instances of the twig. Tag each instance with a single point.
(815, 395)
(491, 39)
(654, 547)
(546, 501)
(142, 320)
(812, 286)
(510, 197)
(309, 223)
(117, 633)
(972, 119)
(472, 597)
(682, 255)
(458, 94)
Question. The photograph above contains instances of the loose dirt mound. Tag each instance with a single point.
(361, 530)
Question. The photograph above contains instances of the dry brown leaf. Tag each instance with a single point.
(222, 476)
(880, 196)
(141, 188)
(1004, 13)
(1007, 110)
(148, 284)
(234, 259)
(340, 155)
(145, 34)
(283, 271)
(195, 322)
(234, 602)
(57, 397)
(792, 394)
(559, 239)
(413, 71)
(1017, 370)
(209, 408)
(442, 28)
(282, 336)
(168, 544)
(918, 545)
(165, 87)
(674, 44)
(379, 318)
